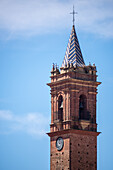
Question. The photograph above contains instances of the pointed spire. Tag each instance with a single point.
(73, 52)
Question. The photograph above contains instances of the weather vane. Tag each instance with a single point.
(73, 14)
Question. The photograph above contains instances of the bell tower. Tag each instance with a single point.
(73, 129)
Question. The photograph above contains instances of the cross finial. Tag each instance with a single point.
(73, 14)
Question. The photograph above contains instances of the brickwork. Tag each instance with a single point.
(71, 85)
(83, 152)
(79, 133)
(60, 160)
(79, 151)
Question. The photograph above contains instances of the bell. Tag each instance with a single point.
(61, 106)
(81, 105)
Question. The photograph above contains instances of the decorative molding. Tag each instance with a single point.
(91, 92)
(74, 83)
(74, 90)
(74, 131)
(70, 80)
(84, 123)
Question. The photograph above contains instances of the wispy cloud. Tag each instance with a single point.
(31, 123)
(27, 18)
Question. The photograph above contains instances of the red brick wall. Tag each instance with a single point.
(79, 152)
(60, 159)
(83, 152)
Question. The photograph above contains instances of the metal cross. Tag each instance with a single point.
(73, 14)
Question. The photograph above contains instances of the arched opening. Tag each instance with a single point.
(83, 114)
(60, 108)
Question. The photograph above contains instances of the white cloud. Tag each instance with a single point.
(31, 123)
(7, 115)
(31, 17)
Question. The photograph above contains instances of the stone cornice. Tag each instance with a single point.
(73, 131)
(75, 82)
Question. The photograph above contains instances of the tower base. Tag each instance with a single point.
(79, 151)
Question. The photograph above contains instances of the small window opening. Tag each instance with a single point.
(60, 108)
(83, 113)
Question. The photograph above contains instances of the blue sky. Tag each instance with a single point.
(33, 35)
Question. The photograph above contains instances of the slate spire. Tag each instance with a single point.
(73, 52)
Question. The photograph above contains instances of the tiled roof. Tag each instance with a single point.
(73, 52)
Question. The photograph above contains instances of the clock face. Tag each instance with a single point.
(59, 143)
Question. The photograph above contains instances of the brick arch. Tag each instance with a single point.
(83, 93)
(60, 105)
(83, 109)
(60, 93)
(77, 102)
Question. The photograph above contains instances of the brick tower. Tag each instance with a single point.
(73, 129)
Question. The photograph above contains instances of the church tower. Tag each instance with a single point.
(73, 129)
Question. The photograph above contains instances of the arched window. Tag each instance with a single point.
(60, 108)
(83, 107)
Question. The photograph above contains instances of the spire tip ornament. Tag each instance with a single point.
(73, 13)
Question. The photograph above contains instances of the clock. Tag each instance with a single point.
(59, 143)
